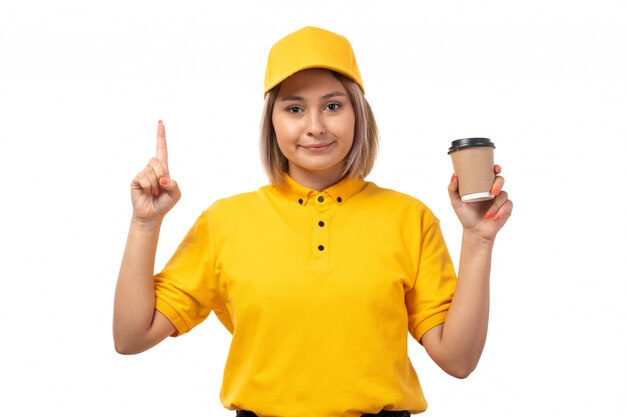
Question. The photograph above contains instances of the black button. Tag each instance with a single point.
(300, 201)
(321, 223)
(320, 248)
(320, 199)
(339, 199)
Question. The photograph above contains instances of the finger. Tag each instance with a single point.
(453, 191)
(171, 187)
(141, 181)
(496, 205)
(497, 168)
(152, 177)
(498, 184)
(158, 167)
(161, 144)
(505, 211)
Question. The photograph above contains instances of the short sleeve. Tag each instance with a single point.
(430, 298)
(186, 289)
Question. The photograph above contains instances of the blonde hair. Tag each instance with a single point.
(360, 159)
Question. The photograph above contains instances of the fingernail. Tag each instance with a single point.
(488, 214)
(163, 181)
(495, 192)
(160, 121)
(156, 192)
(452, 179)
(148, 192)
(496, 217)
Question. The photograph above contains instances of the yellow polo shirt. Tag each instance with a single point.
(318, 290)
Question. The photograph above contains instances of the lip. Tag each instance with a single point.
(318, 147)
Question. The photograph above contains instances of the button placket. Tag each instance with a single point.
(320, 241)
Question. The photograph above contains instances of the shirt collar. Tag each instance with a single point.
(338, 193)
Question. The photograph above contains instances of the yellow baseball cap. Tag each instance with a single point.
(310, 47)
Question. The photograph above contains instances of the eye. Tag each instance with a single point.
(333, 106)
(294, 109)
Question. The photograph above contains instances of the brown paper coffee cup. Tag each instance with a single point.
(472, 159)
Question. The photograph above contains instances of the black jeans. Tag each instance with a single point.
(382, 413)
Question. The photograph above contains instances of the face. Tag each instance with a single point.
(313, 118)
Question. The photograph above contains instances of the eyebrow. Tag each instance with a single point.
(324, 97)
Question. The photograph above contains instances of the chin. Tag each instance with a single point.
(322, 168)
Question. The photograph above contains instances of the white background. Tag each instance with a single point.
(83, 84)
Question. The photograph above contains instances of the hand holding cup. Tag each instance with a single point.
(476, 188)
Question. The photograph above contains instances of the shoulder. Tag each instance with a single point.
(397, 202)
(242, 203)
(236, 201)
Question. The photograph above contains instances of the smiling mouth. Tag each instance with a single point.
(318, 147)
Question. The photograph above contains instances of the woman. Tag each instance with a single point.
(319, 275)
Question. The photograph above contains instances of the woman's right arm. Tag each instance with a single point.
(137, 326)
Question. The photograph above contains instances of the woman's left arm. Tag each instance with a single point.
(457, 344)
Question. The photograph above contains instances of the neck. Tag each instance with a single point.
(316, 180)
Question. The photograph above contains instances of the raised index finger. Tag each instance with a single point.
(161, 144)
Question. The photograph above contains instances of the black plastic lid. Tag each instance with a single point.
(470, 143)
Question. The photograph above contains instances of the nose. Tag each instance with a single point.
(315, 124)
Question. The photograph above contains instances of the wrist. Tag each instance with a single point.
(477, 240)
(145, 225)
